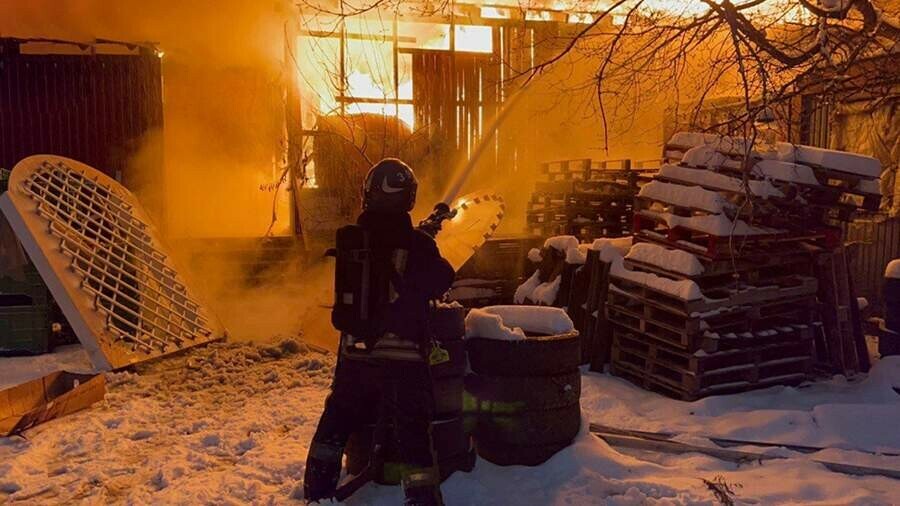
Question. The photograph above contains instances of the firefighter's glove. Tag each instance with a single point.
(438, 355)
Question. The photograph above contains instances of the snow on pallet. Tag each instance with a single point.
(754, 267)
(819, 158)
(685, 296)
(713, 236)
(822, 178)
(690, 376)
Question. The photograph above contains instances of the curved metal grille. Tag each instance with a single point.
(130, 283)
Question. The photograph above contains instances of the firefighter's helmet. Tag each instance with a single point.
(390, 187)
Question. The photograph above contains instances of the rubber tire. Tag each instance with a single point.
(505, 455)
(505, 394)
(535, 356)
(529, 428)
(447, 323)
(458, 363)
(448, 396)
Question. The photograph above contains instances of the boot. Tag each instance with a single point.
(422, 488)
(323, 470)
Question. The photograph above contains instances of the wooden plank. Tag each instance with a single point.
(664, 445)
(601, 330)
(721, 441)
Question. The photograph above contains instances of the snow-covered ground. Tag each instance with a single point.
(231, 423)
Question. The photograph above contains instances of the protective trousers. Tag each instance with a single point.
(359, 388)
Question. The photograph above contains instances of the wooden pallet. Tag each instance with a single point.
(715, 298)
(753, 267)
(698, 364)
(780, 322)
(650, 226)
(556, 214)
(598, 332)
(585, 232)
(728, 319)
(836, 189)
(598, 167)
(611, 188)
(690, 377)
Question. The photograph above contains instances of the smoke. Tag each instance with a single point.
(221, 146)
(222, 141)
(223, 110)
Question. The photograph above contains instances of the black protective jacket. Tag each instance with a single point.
(427, 275)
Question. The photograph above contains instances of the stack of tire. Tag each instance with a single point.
(524, 395)
(452, 442)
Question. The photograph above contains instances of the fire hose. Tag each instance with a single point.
(442, 211)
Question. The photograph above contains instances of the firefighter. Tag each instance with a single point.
(383, 369)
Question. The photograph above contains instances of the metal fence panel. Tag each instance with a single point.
(95, 108)
(879, 242)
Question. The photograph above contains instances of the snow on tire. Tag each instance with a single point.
(510, 394)
(535, 356)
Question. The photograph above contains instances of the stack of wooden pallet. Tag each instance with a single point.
(720, 291)
(494, 272)
(583, 198)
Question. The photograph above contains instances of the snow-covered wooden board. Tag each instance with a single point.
(102, 259)
(841, 161)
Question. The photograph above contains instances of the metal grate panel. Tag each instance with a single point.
(99, 246)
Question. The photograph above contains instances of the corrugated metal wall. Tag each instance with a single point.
(880, 243)
(878, 235)
(92, 107)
